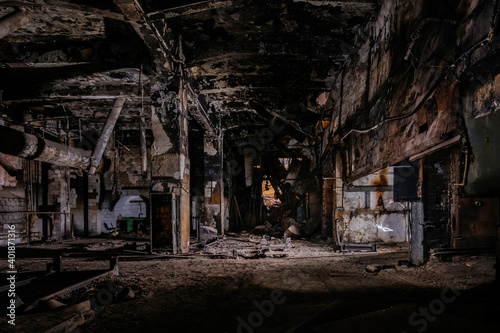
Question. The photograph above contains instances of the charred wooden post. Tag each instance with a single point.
(13, 21)
(16, 143)
(106, 132)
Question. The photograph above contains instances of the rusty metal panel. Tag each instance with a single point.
(476, 224)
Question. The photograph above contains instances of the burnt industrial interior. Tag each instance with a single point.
(250, 165)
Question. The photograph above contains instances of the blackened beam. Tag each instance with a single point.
(5, 163)
(106, 132)
(338, 3)
(194, 8)
(55, 4)
(13, 21)
(200, 114)
(291, 128)
(17, 143)
(147, 31)
(85, 10)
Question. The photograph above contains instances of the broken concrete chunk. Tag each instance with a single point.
(44, 306)
(293, 232)
(373, 268)
(207, 234)
(377, 268)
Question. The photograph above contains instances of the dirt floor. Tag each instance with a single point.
(301, 287)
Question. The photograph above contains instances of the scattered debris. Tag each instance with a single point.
(293, 232)
(377, 268)
(207, 234)
(265, 247)
(73, 323)
(355, 247)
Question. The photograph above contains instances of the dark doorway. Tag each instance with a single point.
(161, 220)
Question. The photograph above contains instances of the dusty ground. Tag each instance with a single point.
(313, 288)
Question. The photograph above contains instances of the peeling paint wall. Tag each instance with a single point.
(419, 74)
(482, 118)
(396, 92)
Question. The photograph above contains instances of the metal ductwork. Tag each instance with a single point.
(17, 143)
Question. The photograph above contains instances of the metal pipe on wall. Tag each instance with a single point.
(106, 132)
(17, 143)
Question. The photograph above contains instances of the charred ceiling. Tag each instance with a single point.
(247, 62)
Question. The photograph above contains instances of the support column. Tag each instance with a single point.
(416, 242)
(85, 204)
(144, 150)
(338, 197)
(327, 215)
(170, 167)
(249, 154)
(64, 203)
(214, 184)
(497, 265)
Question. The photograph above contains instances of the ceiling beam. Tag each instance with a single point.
(85, 9)
(246, 88)
(42, 64)
(338, 3)
(200, 113)
(291, 127)
(59, 98)
(301, 48)
(147, 31)
(189, 9)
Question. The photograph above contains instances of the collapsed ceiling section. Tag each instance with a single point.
(249, 63)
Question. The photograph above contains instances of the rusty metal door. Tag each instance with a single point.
(161, 220)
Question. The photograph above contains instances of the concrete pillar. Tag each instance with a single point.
(497, 265)
(170, 167)
(249, 155)
(214, 184)
(327, 215)
(144, 150)
(64, 204)
(416, 242)
(338, 198)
